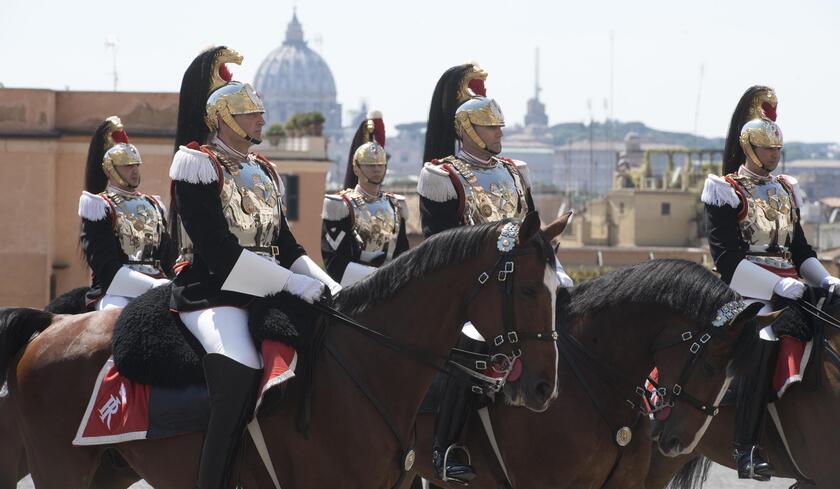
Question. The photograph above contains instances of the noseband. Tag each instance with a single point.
(500, 362)
(670, 395)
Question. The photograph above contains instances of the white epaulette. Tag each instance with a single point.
(92, 206)
(434, 184)
(192, 166)
(523, 171)
(403, 205)
(335, 209)
(718, 192)
(793, 183)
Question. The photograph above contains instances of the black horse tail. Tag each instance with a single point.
(17, 325)
(72, 302)
(692, 475)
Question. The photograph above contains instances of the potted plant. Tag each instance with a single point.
(305, 122)
(275, 134)
(317, 123)
(292, 126)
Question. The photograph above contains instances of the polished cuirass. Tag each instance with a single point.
(251, 203)
(491, 192)
(769, 219)
(376, 223)
(138, 224)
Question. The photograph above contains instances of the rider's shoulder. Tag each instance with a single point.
(719, 191)
(792, 184)
(192, 165)
(435, 183)
(92, 207)
(335, 208)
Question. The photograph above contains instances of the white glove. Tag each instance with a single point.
(829, 281)
(304, 265)
(308, 289)
(161, 281)
(789, 288)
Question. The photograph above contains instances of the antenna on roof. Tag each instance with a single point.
(111, 43)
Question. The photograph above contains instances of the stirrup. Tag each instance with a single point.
(444, 475)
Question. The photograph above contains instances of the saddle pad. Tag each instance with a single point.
(121, 410)
(790, 363)
(151, 345)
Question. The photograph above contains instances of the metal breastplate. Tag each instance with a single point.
(490, 193)
(138, 224)
(251, 204)
(770, 220)
(376, 224)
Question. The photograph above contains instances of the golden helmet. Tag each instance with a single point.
(478, 111)
(232, 99)
(762, 133)
(119, 152)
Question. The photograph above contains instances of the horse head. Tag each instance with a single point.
(515, 311)
(696, 368)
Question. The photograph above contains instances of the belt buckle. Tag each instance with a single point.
(786, 255)
(275, 250)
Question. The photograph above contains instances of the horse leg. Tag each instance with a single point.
(113, 473)
(12, 456)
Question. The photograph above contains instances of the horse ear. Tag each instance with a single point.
(557, 227)
(529, 227)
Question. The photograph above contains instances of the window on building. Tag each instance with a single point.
(666, 209)
(292, 197)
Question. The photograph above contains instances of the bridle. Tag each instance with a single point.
(498, 361)
(670, 395)
(490, 370)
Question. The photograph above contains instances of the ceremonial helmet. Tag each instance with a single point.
(758, 102)
(459, 103)
(208, 93)
(762, 133)
(109, 149)
(367, 148)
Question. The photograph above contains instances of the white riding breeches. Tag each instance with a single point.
(224, 330)
(109, 301)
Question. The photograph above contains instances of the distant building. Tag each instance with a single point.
(44, 138)
(818, 178)
(293, 78)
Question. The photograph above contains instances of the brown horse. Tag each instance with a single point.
(624, 323)
(349, 444)
(808, 414)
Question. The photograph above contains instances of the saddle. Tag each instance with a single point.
(152, 346)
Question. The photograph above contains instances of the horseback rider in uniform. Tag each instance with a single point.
(123, 232)
(759, 248)
(472, 186)
(363, 227)
(228, 202)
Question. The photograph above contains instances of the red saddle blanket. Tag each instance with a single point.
(121, 410)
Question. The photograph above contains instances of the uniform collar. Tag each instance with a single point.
(475, 160)
(119, 191)
(368, 197)
(216, 141)
(745, 172)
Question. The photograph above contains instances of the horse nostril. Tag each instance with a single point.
(667, 444)
(544, 391)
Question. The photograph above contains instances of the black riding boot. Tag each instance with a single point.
(450, 459)
(754, 390)
(232, 388)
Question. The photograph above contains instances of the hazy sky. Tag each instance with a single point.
(391, 52)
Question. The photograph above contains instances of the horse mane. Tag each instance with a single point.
(680, 285)
(445, 248)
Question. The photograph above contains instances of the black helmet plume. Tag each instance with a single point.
(192, 103)
(733, 154)
(440, 128)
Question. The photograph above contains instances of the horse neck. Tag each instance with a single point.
(426, 316)
(623, 339)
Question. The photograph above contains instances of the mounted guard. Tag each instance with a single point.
(234, 234)
(363, 226)
(760, 250)
(123, 232)
(472, 186)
